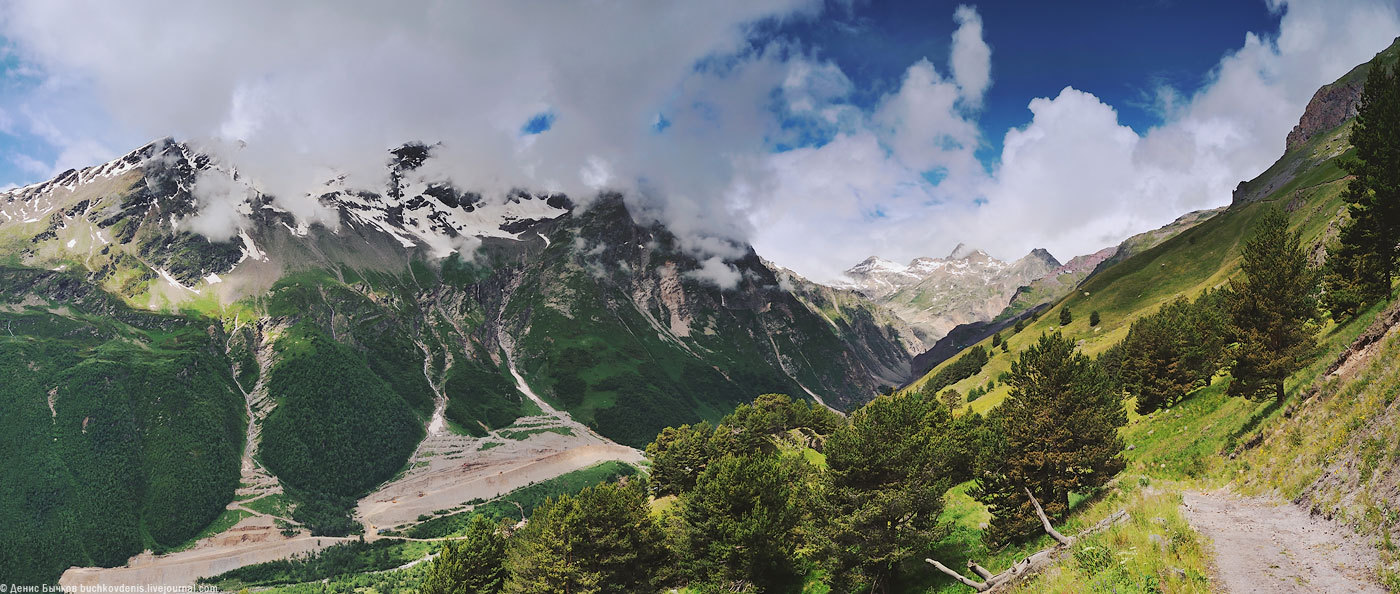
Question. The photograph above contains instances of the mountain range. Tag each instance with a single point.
(333, 349)
(935, 295)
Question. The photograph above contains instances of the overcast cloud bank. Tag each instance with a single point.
(681, 106)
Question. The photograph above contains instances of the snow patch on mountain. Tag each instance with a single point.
(933, 295)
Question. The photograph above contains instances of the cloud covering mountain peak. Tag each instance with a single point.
(697, 112)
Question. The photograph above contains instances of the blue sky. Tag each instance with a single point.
(1121, 51)
(819, 132)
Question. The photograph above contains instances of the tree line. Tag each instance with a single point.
(1260, 328)
(754, 510)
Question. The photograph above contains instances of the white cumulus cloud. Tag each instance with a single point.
(681, 106)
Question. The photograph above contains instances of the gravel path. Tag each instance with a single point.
(1266, 546)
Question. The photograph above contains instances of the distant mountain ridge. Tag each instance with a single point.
(935, 295)
(1034, 297)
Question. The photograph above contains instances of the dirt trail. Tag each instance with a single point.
(1266, 546)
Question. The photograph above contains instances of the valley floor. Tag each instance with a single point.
(446, 472)
(253, 540)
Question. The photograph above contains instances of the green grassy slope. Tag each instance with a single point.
(1202, 257)
(122, 430)
(1338, 450)
(1340, 435)
(1330, 444)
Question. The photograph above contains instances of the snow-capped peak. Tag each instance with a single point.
(878, 264)
(963, 252)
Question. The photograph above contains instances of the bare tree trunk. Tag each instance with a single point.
(982, 571)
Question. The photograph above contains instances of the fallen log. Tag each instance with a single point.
(1033, 563)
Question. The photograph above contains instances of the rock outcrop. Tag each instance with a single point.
(1330, 107)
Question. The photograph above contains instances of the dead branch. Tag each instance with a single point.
(982, 571)
(1036, 561)
(1044, 521)
(979, 586)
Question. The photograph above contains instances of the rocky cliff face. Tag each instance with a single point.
(1334, 104)
(934, 295)
(1320, 126)
(1329, 107)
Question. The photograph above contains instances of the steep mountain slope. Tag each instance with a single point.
(1335, 103)
(934, 295)
(122, 429)
(1307, 181)
(1054, 286)
(421, 309)
(850, 311)
(1031, 299)
(128, 223)
(618, 306)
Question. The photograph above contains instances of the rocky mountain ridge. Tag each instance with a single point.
(127, 226)
(419, 312)
(1328, 108)
(1321, 129)
(934, 295)
(1336, 102)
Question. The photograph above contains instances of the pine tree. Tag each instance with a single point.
(770, 414)
(964, 437)
(602, 540)
(1350, 276)
(1271, 309)
(474, 564)
(739, 528)
(678, 456)
(1020, 325)
(1172, 351)
(1362, 265)
(1094, 318)
(888, 472)
(1057, 432)
(996, 339)
(951, 398)
(1065, 316)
